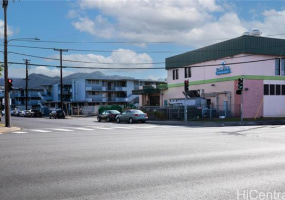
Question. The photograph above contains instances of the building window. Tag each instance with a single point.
(272, 89)
(266, 89)
(278, 90)
(277, 66)
(175, 74)
(187, 72)
(283, 89)
(282, 67)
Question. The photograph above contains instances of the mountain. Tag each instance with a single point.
(38, 80)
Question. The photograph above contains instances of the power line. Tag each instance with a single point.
(86, 62)
(93, 50)
(140, 68)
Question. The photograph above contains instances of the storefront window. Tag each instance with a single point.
(266, 89)
(278, 90)
(272, 89)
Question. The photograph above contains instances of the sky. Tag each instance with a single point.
(125, 37)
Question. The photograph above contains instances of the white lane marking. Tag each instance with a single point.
(146, 127)
(61, 129)
(103, 128)
(84, 129)
(123, 127)
(41, 131)
(19, 132)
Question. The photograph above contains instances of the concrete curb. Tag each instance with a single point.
(217, 124)
(8, 129)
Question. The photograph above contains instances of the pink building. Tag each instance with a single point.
(213, 71)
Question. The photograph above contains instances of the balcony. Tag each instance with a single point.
(93, 88)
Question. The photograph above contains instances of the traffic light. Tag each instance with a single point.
(186, 85)
(10, 85)
(240, 86)
(240, 83)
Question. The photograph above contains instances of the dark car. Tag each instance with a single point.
(131, 116)
(108, 115)
(36, 113)
(56, 114)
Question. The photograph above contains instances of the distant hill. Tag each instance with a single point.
(38, 80)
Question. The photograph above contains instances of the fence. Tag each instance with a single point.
(177, 113)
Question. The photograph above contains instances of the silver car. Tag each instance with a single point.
(132, 116)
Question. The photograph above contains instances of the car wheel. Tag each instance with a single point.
(108, 119)
(99, 119)
(131, 120)
(118, 120)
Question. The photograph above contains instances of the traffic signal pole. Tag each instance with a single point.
(241, 108)
(240, 87)
(185, 108)
(7, 96)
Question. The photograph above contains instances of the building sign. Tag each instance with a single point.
(223, 70)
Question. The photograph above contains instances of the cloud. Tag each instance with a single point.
(10, 30)
(272, 22)
(160, 20)
(121, 58)
(194, 23)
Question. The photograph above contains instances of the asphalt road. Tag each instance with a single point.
(84, 159)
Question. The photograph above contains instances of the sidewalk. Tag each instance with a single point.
(218, 123)
(4, 129)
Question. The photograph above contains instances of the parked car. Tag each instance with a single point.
(108, 115)
(56, 114)
(36, 113)
(132, 116)
(15, 112)
(25, 113)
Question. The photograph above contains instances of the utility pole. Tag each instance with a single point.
(61, 82)
(7, 97)
(27, 81)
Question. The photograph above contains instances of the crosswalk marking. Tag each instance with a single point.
(104, 128)
(87, 128)
(84, 129)
(62, 129)
(41, 131)
(19, 132)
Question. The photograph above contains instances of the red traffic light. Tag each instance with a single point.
(10, 84)
(186, 85)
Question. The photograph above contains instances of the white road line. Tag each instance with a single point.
(123, 127)
(84, 129)
(103, 128)
(19, 132)
(40, 131)
(61, 129)
(145, 127)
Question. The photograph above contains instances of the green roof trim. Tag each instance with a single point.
(244, 44)
(249, 77)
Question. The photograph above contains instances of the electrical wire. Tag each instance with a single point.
(86, 62)
(77, 67)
